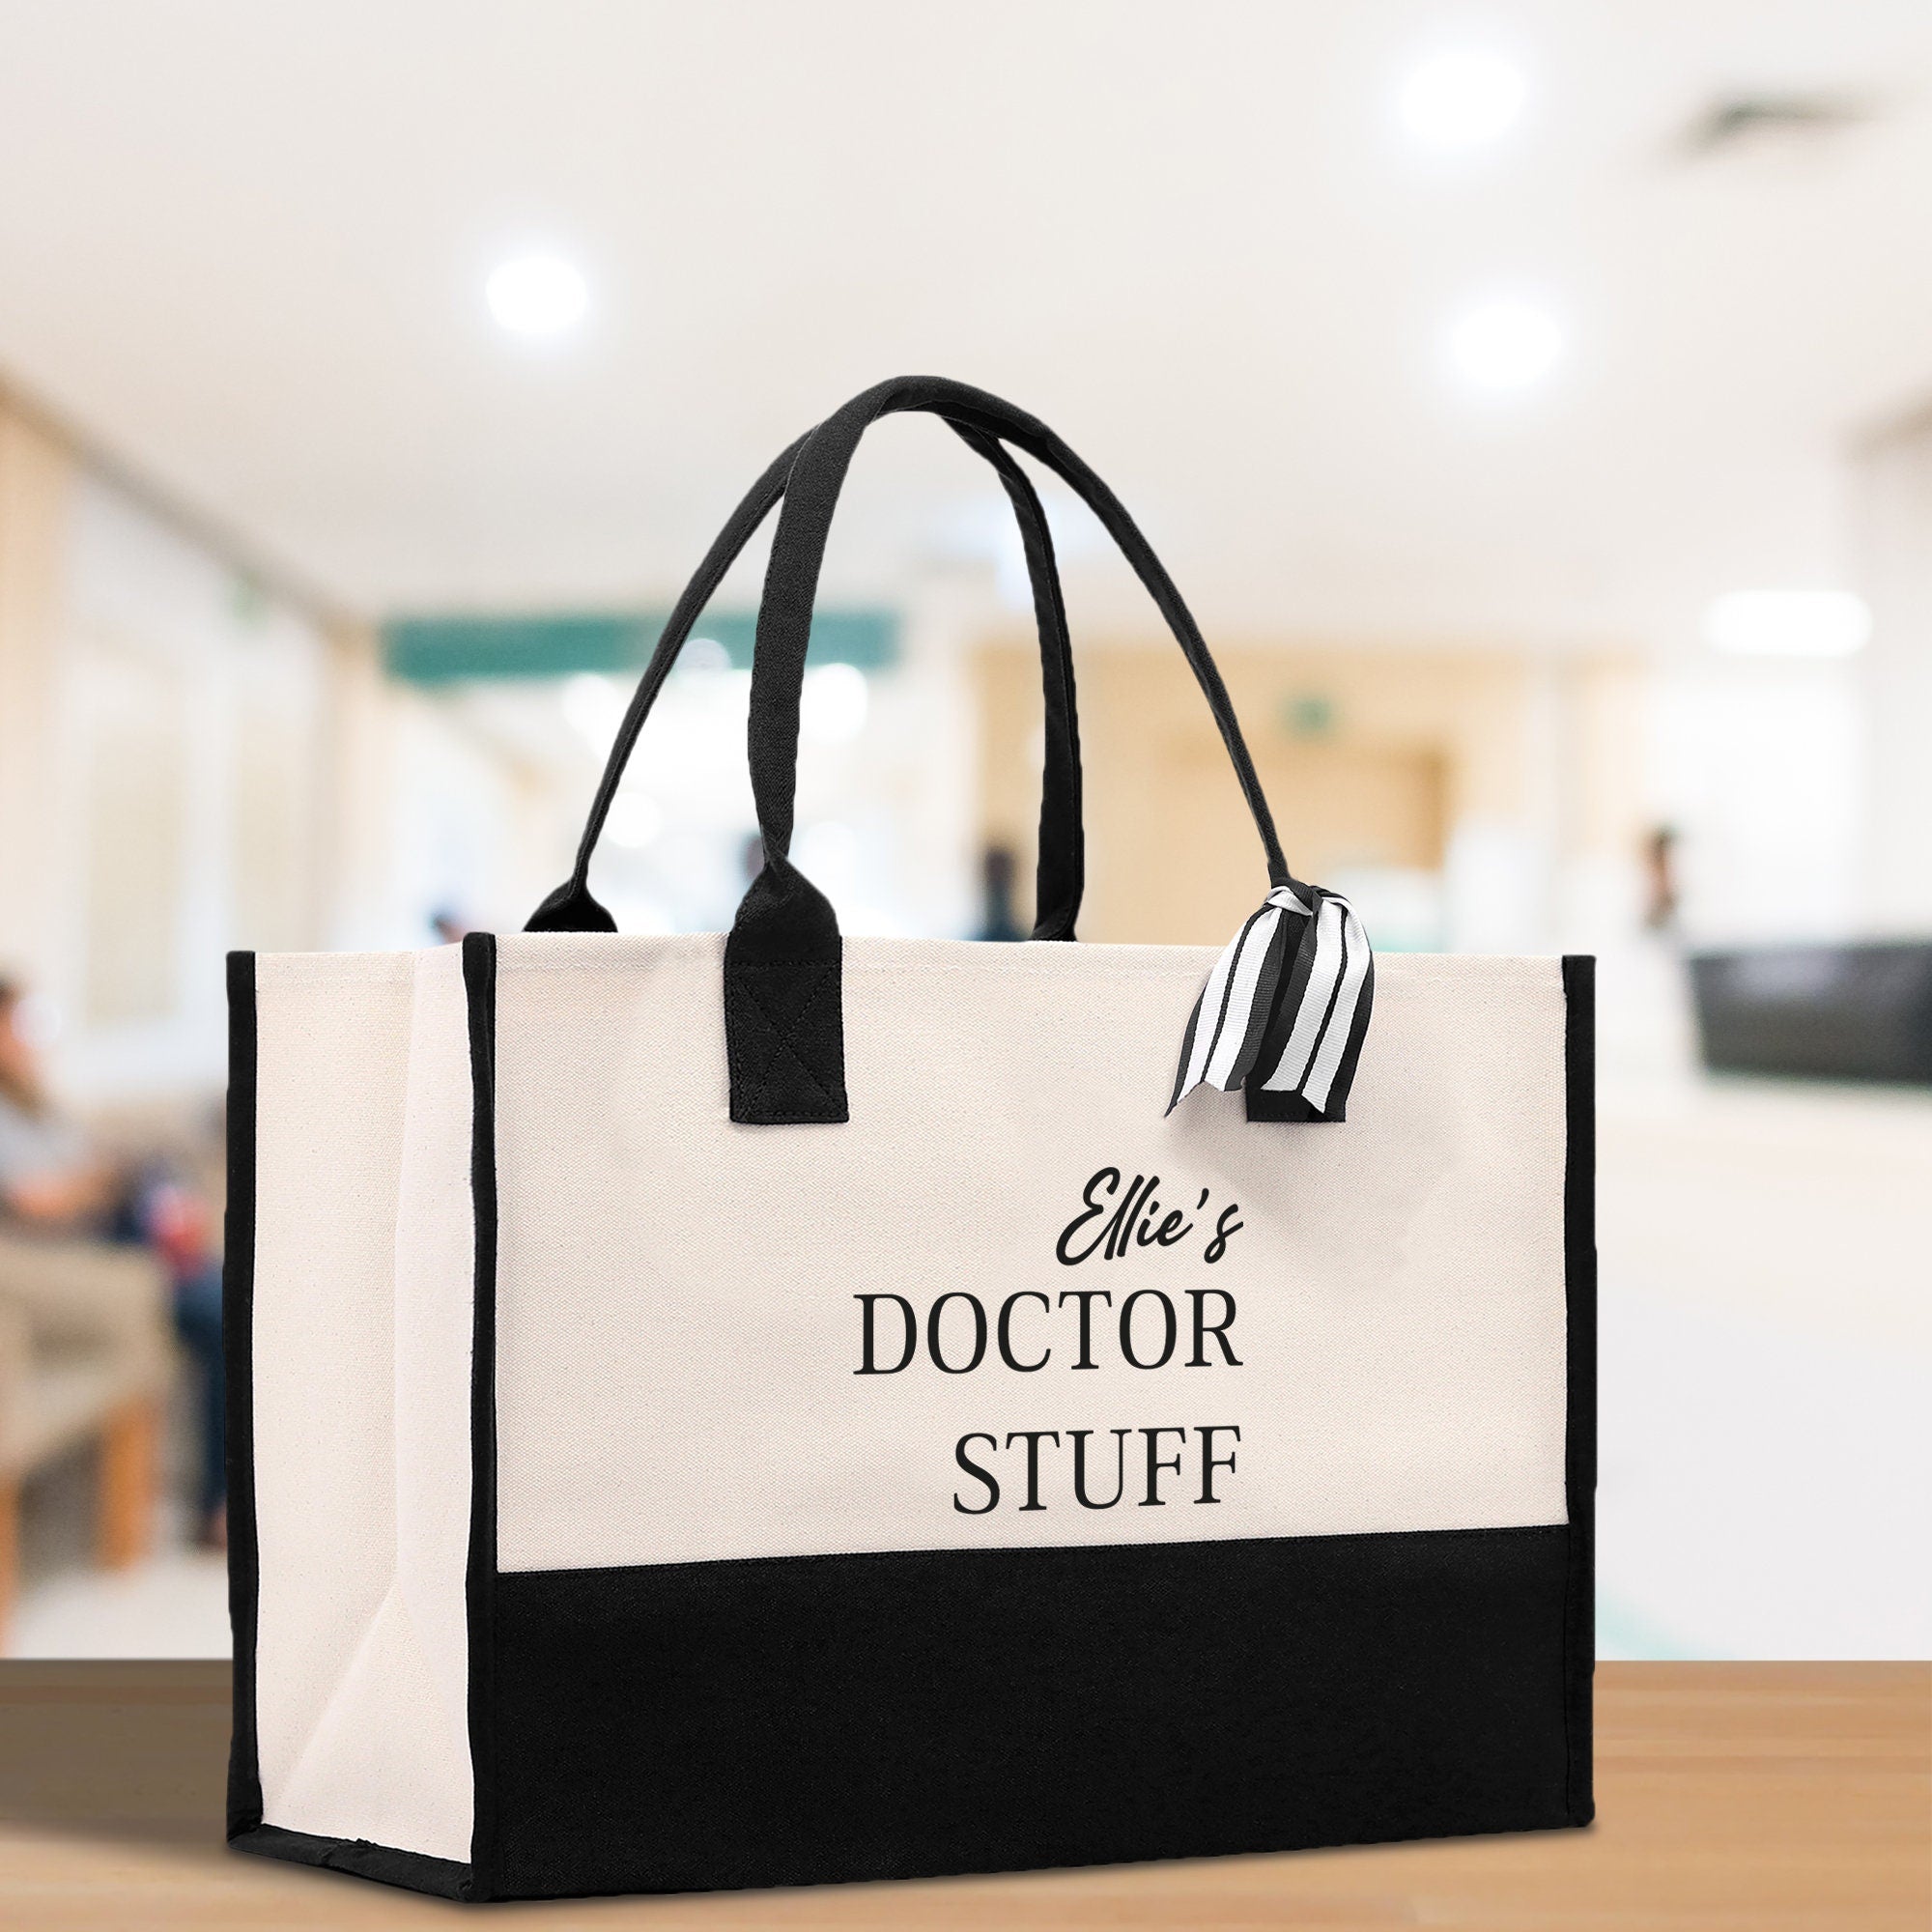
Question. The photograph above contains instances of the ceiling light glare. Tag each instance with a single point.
(704, 655)
(1789, 623)
(1504, 346)
(1455, 103)
(537, 296)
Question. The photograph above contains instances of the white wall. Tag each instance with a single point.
(188, 714)
(1895, 475)
(1759, 765)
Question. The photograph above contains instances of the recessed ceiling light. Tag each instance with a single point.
(1789, 623)
(1504, 345)
(537, 294)
(1453, 102)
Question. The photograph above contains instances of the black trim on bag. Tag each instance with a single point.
(479, 980)
(237, 1323)
(415, 1871)
(359, 1858)
(1579, 1444)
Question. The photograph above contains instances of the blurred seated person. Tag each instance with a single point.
(996, 921)
(54, 1180)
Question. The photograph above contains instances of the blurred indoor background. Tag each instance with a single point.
(1534, 402)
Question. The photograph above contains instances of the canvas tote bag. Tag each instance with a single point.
(776, 1407)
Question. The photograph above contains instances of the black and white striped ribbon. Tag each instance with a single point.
(1280, 1023)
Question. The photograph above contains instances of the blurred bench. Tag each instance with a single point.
(86, 1354)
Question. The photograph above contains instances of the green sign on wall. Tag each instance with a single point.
(458, 648)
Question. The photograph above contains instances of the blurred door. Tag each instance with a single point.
(1340, 810)
(1172, 854)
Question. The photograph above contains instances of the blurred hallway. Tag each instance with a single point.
(1554, 489)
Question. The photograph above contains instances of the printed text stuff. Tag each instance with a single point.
(1145, 1327)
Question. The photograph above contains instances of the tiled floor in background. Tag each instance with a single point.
(1765, 1372)
(1766, 1385)
(175, 1605)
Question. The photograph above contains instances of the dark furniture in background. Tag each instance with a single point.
(1825, 1012)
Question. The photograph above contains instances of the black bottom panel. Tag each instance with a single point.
(358, 1857)
(818, 1718)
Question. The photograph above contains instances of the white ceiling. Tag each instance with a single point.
(244, 245)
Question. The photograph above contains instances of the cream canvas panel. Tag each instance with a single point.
(364, 1261)
(679, 1321)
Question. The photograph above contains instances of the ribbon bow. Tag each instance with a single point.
(1290, 1028)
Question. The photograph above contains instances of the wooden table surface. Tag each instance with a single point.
(1729, 1796)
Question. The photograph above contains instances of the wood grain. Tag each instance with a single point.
(1730, 1796)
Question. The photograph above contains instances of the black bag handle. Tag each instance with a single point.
(798, 551)
(1061, 877)
(784, 1018)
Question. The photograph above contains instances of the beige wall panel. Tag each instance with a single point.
(136, 817)
(1369, 756)
(36, 481)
